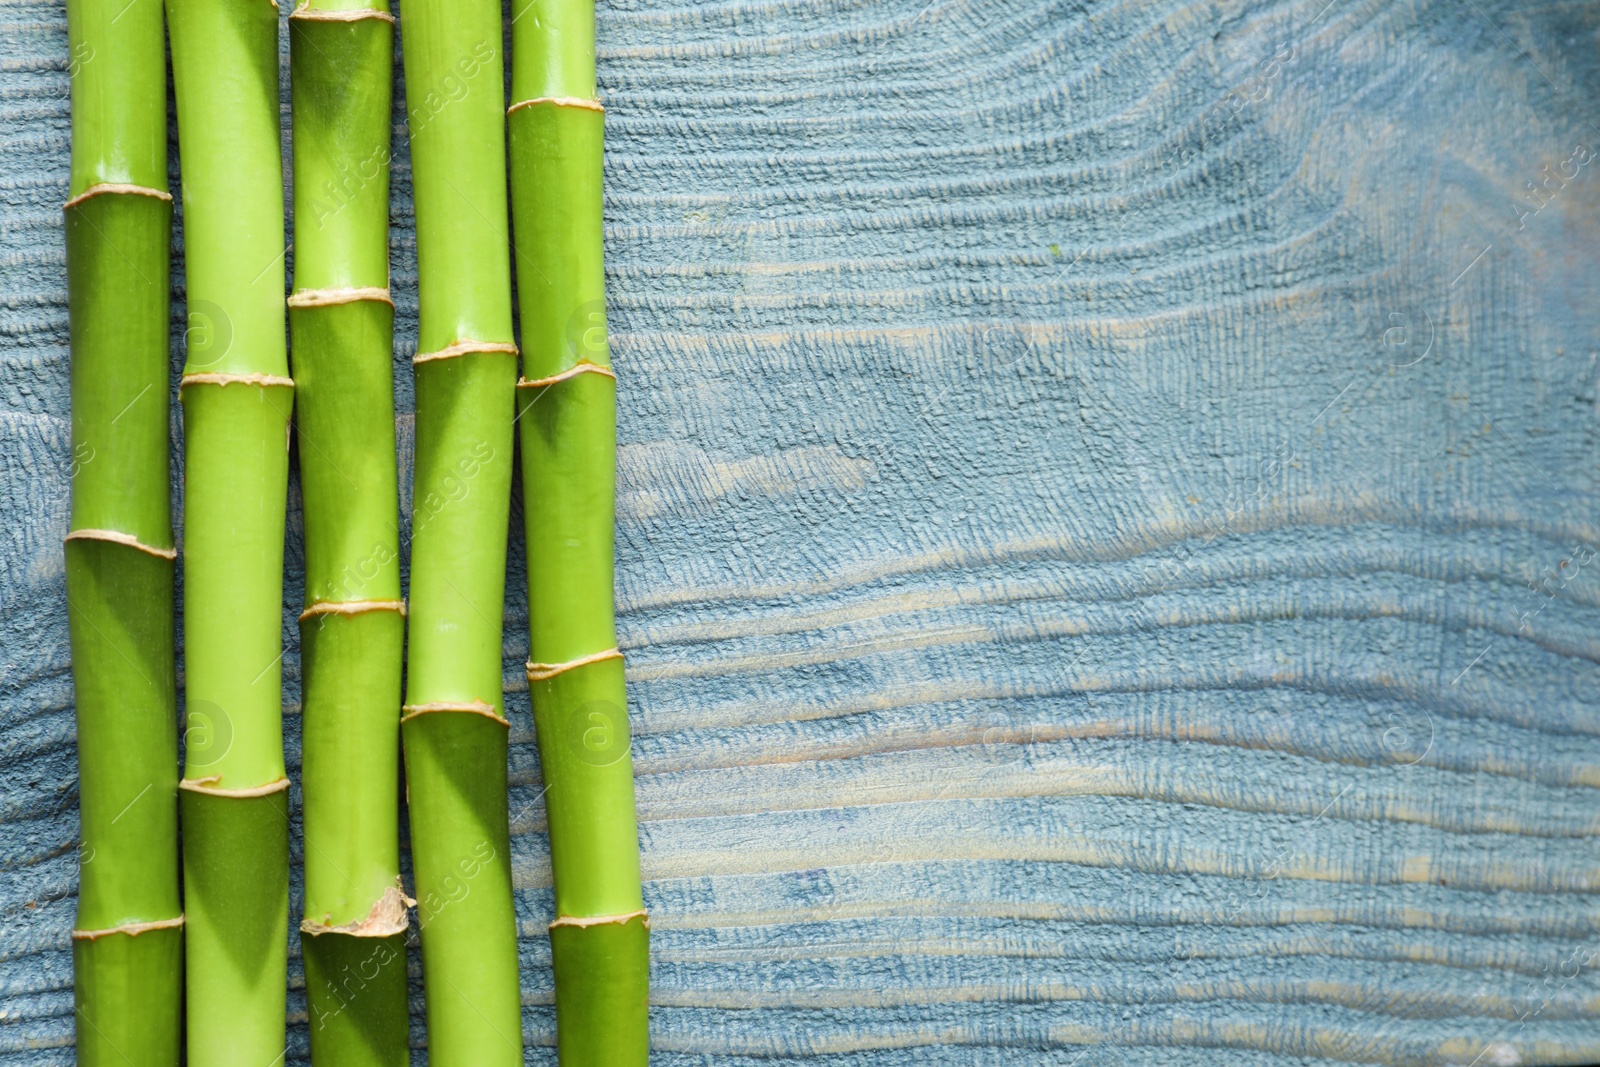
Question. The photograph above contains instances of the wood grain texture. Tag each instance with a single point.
(1106, 541)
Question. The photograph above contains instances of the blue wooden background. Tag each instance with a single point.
(1106, 540)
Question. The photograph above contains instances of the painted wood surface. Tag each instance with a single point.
(1107, 535)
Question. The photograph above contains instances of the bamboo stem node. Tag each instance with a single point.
(583, 367)
(474, 707)
(102, 188)
(559, 101)
(540, 672)
(313, 14)
(352, 607)
(264, 380)
(207, 786)
(601, 920)
(387, 918)
(465, 348)
(121, 539)
(317, 298)
(131, 929)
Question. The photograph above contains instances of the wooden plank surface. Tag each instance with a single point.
(1106, 541)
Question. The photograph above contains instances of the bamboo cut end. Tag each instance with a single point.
(464, 348)
(131, 929)
(387, 918)
(116, 537)
(473, 707)
(540, 672)
(102, 188)
(316, 298)
(560, 101)
(582, 367)
(352, 607)
(208, 786)
(312, 14)
(602, 920)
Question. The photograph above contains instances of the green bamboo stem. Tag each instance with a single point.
(454, 727)
(128, 937)
(237, 398)
(567, 409)
(341, 322)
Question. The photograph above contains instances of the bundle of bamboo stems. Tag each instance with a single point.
(237, 396)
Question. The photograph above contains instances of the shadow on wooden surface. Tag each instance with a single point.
(1107, 537)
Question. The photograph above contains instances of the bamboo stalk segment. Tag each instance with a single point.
(237, 398)
(127, 944)
(567, 412)
(455, 753)
(352, 632)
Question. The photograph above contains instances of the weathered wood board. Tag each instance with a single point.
(1107, 536)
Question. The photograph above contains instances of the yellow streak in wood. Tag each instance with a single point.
(1361, 997)
(1333, 945)
(887, 842)
(1401, 920)
(1329, 508)
(757, 662)
(701, 477)
(916, 694)
(967, 761)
